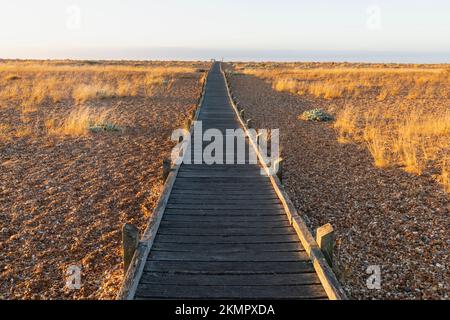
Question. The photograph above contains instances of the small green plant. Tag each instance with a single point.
(101, 127)
(315, 115)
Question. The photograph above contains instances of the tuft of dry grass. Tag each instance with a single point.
(376, 144)
(78, 122)
(413, 140)
(126, 88)
(85, 92)
(346, 124)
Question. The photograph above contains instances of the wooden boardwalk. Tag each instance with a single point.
(224, 233)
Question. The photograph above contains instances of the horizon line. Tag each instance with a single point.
(244, 55)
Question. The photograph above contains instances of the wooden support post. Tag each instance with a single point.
(166, 169)
(187, 124)
(130, 241)
(325, 240)
(280, 170)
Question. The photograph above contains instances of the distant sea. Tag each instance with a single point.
(231, 55)
(307, 56)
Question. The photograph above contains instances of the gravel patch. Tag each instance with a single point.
(63, 201)
(383, 217)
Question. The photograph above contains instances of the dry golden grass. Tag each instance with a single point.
(341, 81)
(84, 92)
(78, 122)
(376, 143)
(27, 88)
(416, 138)
(29, 83)
(16, 68)
(346, 124)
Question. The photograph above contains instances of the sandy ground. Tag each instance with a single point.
(63, 201)
(383, 217)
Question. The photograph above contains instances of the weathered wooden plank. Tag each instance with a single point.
(218, 170)
(231, 169)
(224, 197)
(215, 103)
(227, 180)
(223, 213)
(216, 230)
(228, 247)
(230, 292)
(225, 239)
(228, 223)
(208, 119)
(217, 160)
(248, 256)
(219, 175)
(220, 197)
(232, 156)
(228, 135)
(191, 199)
(227, 267)
(199, 189)
(225, 218)
(217, 113)
(219, 167)
(230, 279)
(232, 185)
(229, 206)
(211, 115)
(218, 95)
(223, 193)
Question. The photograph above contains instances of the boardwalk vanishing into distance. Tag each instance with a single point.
(223, 232)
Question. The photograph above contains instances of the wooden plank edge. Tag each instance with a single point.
(130, 282)
(325, 273)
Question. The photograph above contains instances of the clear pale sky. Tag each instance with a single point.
(139, 29)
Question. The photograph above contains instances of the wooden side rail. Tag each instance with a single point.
(137, 264)
(326, 275)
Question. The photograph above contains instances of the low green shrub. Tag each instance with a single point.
(315, 115)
